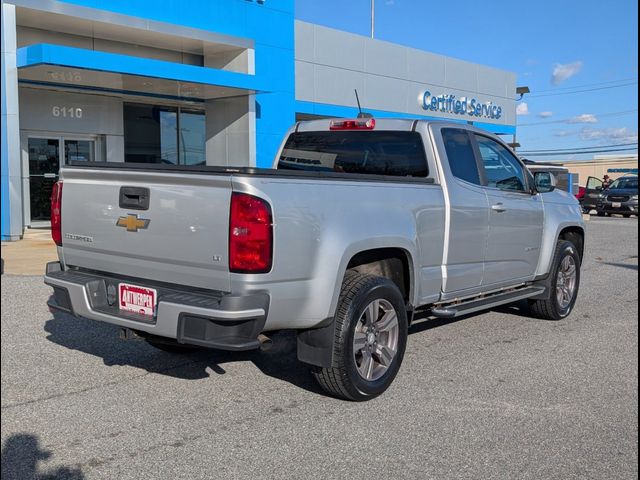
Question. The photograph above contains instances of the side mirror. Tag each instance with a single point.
(544, 182)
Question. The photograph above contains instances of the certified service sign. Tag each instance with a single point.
(447, 103)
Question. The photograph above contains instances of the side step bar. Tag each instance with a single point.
(453, 310)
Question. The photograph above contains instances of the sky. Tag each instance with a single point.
(579, 58)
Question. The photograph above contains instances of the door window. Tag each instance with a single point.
(462, 160)
(593, 183)
(502, 169)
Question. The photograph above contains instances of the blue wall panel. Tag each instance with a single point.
(242, 18)
(126, 64)
(269, 24)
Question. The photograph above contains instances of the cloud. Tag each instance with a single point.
(609, 135)
(564, 133)
(522, 109)
(563, 72)
(545, 114)
(584, 118)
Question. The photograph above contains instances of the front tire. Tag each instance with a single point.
(565, 283)
(370, 338)
(602, 214)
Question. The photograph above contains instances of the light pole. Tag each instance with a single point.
(522, 91)
(373, 16)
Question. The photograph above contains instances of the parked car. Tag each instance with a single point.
(581, 192)
(620, 198)
(360, 225)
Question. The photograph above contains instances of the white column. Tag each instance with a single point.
(230, 132)
(11, 184)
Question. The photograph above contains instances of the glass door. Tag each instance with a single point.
(46, 153)
(44, 164)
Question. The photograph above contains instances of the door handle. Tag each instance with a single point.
(498, 207)
(135, 198)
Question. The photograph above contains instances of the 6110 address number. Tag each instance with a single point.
(66, 112)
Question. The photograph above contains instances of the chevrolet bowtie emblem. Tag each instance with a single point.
(132, 223)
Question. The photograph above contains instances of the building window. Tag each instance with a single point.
(79, 150)
(165, 135)
(192, 137)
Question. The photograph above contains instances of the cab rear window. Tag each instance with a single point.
(393, 153)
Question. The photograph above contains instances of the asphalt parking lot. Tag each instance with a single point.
(495, 395)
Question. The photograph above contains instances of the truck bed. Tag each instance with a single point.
(316, 216)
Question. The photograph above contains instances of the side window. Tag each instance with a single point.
(502, 169)
(462, 160)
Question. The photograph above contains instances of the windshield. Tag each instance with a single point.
(627, 183)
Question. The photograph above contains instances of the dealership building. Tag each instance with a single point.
(217, 83)
(612, 165)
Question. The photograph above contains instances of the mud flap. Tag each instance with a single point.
(315, 346)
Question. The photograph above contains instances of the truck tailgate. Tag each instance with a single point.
(180, 238)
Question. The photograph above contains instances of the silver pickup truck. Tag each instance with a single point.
(360, 225)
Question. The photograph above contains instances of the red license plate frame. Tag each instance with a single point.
(137, 299)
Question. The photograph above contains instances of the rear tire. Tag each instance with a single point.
(565, 283)
(602, 214)
(626, 215)
(370, 338)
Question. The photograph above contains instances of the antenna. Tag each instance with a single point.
(361, 114)
(358, 100)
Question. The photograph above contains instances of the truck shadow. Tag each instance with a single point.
(518, 309)
(280, 362)
(101, 340)
(423, 322)
(21, 456)
(622, 265)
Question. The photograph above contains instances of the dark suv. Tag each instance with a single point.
(621, 198)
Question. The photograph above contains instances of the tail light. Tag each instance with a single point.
(56, 213)
(357, 124)
(250, 234)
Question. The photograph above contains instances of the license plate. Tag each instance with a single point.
(133, 298)
(616, 204)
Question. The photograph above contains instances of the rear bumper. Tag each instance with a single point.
(209, 319)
